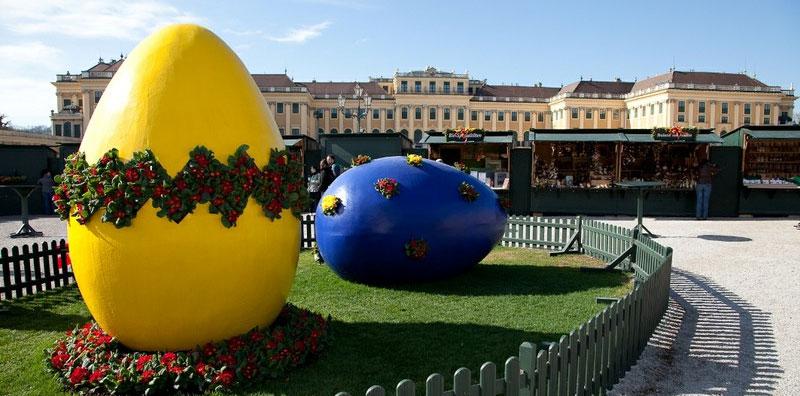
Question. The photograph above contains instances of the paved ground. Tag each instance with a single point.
(51, 226)
(732, 326)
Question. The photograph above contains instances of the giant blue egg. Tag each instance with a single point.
(427, 231)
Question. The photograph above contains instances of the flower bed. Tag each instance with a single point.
(87, 360)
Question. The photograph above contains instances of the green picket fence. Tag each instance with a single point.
(593, 357)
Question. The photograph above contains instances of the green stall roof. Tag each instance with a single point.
(773, 134)
(648, 138)
(575, 137)
(489, 137)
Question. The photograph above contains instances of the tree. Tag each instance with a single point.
(4, 122)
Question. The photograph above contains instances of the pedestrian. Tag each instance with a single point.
(335, 168)
(46, 180)
(326, 175)
(314, 182)
(705, 176)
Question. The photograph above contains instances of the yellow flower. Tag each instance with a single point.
(414, 159)
(330, 203)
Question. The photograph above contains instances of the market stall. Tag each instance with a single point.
(305, 146)
(770, 169)
(486, 155)
(576, 171)
(376, 145)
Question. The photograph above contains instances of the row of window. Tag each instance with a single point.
(67, 129)
(701, 112)
(588, 114)
(432, 87)
(433, 114)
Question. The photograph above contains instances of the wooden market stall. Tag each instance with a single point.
(769, 182)
(576, 171)
(486, 155)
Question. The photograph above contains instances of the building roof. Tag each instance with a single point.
(272, 80)
(107, 66)
(598, 87)
(516, 91)
(345, 88)
(702, 78)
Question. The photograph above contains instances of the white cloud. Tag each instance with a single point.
(33, 53)
(89, 18)
(302, 34)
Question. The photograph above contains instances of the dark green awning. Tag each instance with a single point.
(440, 139)
(576, 137)
(772, 134)
(648, 138)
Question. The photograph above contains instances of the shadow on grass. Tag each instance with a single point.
(372, 353)
(505, 279)
(43, 311)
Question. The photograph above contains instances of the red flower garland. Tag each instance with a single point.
(468, 192)
(416, 249)
(387, 187)
(123, 188)
(88, 360)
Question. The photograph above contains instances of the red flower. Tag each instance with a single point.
(201, 160)
(271, 344)
(159, 191)
(299, 346)
(235, 343)
(147, 375)
(180, 184)
(209, 349)
(275, 206)
(225, 378)
(168, 358)
(256, 336)
(141, 361)
(218, 201)
(200, 368)
(227, 360)
(281, 160)
(98, 374)
(58, 360)
(131, 175)
(78, 375)
(176, 369)
(250, 370)
(278, 335)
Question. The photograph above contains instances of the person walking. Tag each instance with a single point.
(705, 176)
(47, 183)
(335, 168)
(314, 182)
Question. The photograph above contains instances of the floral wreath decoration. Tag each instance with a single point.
(122, 188)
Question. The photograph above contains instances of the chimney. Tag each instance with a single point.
(617, 79)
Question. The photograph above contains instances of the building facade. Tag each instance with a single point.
(416, 102)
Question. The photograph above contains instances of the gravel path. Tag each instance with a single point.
(732, 323)
(732, 326)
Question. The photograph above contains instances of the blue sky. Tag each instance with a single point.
(521, 42)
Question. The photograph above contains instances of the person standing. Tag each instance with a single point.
(326, 175)
(47, 184)
(335, 168)
(705, 176)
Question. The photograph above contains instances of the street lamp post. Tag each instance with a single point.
(360, 97)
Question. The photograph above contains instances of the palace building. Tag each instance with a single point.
(413, 103)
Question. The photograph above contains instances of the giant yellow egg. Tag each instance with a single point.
(161, 285)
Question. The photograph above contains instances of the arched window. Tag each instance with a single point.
(320, 130)
(334, 130)
(348, 130)
(376, 131)
(404, 132)
(389, 131)
(417, 136)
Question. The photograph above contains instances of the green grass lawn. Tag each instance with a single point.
(380, 335)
